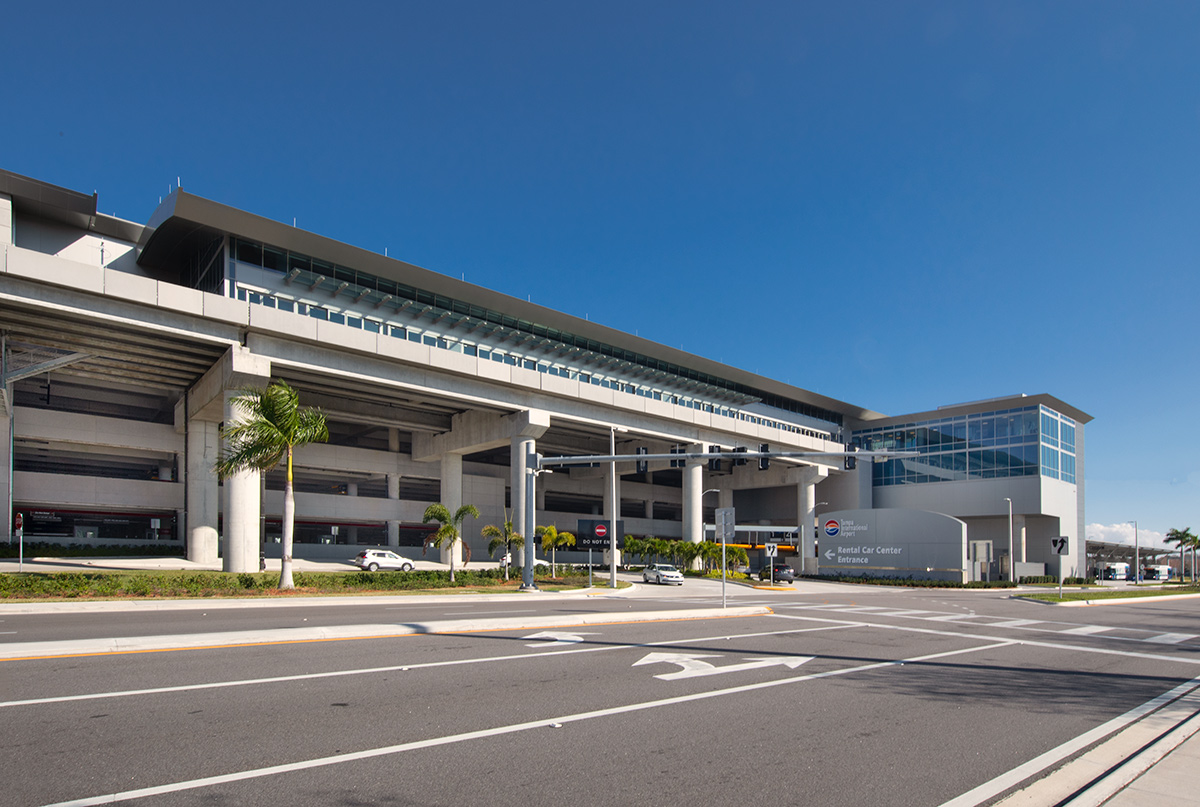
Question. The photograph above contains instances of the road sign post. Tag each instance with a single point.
(1060, 545)
(772, 551)
(19, 523)
(725, 524)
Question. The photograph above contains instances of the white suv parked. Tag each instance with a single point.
(375, 559)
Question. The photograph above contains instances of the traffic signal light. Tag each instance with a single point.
(740, 450)
(678, 463)
(764, 462)
(642, 465)
(851, 460)
(715, 463)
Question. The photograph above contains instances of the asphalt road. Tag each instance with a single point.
(842, 696)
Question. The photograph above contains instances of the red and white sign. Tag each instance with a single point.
(601, 530)
(20, 521)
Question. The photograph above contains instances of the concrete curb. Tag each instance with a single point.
(221, 603)
(1107, 600)
(1110, 766)
(148, 644)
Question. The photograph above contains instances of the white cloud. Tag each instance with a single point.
(1123, 534)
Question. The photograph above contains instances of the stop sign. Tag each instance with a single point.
(20, 520)
(601, 530)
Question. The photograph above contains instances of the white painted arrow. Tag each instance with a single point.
(692, 667)
(556, 638)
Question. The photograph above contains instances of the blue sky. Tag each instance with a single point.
(900, 205)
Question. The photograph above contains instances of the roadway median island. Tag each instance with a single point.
(139, 585)
(1100, 596)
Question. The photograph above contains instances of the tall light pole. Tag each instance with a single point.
(723, 572)
(616, 508)
(1137, 565)
(1012, 550)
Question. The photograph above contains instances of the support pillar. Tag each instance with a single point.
(352, 531)
(452, 498)
(393, 488)
(202, 492)
(693, 504)
(806, 479)
(242, 510)
(521, 446)
(1019, 538)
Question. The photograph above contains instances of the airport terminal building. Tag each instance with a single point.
(123, 343)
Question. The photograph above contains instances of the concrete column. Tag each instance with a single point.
(521, 446)
(352, 531)
(1019, 538)
(202, 492)
(242, 508)
(393, 494)
(693, 504)
(6, 219)
(165, 472)
(539, 493)
(725, 497)
(393, 488)
(806, 479)
(6, 528)
(452, 497)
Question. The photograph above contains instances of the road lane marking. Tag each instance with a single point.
(1103, 651)
(1171, 638)
(556, 638)
(691, 665)
(434, 742)
(1085, 630)
(404, 667)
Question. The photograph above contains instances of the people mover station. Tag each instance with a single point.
(124, 342)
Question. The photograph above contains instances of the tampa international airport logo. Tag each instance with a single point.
(832, 528)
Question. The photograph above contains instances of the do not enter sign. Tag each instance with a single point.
(601, 530)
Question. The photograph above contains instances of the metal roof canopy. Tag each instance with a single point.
(1105, 552)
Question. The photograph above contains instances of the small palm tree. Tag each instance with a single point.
(274, 426)
(1186, 540)
(505, 537)
(552, 539)
(450, 531)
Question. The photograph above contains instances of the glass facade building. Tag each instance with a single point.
(1025, 441)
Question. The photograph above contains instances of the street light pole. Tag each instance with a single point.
(616, 506)
(723, 572)
(1137, 565)
(1012, 550)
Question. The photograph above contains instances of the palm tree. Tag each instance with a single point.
(451, 528)
(552, 539)
(274, 426)
(1186, 540)
(505, 537)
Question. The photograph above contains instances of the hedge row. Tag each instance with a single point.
(43, 548)
(909, 582)
(218, 584)
(1049, 578)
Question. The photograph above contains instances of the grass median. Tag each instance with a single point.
(1123, 594)
(127, 585)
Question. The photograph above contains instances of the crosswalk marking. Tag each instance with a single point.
(983, 620)
(1171, 638)
(1085, 630)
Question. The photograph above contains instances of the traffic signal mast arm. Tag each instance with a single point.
(878, 456)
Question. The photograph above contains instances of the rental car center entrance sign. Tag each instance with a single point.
(893, 543)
